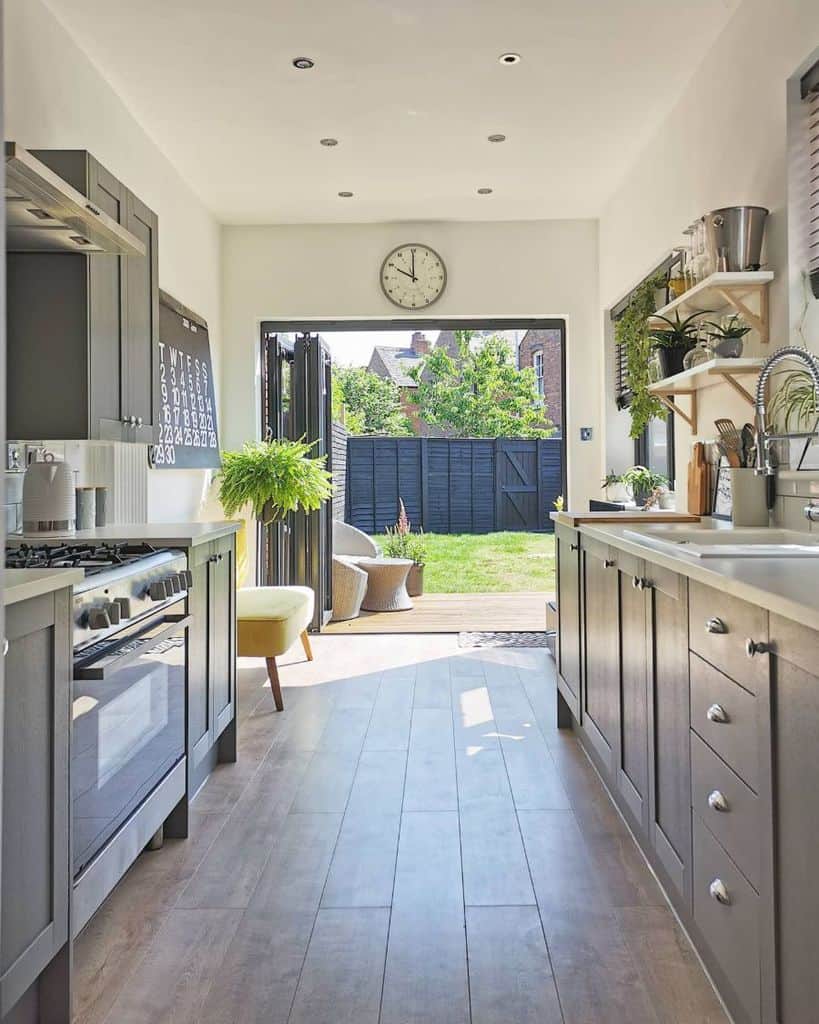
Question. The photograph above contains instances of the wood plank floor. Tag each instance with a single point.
(411, 841)
(454, 613)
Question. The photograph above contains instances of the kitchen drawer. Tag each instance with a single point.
(718, 629)
(724, 715)
(730, 928)
(728, 807)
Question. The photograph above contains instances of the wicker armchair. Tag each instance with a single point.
(349, 588)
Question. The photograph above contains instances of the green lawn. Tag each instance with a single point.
(467, 563)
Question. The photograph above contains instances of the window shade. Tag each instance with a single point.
(810, 95)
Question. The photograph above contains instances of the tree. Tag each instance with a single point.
(372, 404)
(482, 394)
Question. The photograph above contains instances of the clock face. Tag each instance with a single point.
(413, 276)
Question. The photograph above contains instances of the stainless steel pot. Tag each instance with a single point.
(735, 235)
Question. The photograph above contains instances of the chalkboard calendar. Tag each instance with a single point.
(186, 433)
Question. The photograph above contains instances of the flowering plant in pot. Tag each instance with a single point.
(672, 341)
(401, 542)
(643, 484)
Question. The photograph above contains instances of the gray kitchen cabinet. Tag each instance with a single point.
(212, 658)
(601, 652)
(567, 544)
(669, 750)
(632, 764)
(36, 881)
(97, 384)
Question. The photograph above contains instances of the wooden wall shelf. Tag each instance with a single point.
(728, 291)
(689, 382)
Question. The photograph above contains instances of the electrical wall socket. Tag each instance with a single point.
(585, 433)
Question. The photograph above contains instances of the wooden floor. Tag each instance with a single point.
(454, 613)
(411, 841)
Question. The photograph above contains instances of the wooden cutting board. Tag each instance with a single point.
(698, 481)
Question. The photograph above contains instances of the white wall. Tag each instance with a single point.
(723, 144)
(534, 268)
(56, 98)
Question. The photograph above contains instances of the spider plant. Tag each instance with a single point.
(794, 402)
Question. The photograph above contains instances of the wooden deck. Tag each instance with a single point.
(455, 613)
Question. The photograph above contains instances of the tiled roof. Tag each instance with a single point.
(397, 361)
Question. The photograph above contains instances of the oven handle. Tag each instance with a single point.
(108, 663)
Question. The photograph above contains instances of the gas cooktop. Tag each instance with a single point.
(93, 558)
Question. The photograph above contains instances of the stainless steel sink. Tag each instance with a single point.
(728, 543)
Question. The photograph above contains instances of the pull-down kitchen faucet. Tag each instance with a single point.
(764, 438)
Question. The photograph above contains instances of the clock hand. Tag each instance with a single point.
(406, 273)
(413, 265)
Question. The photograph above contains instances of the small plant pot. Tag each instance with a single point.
(671, 360)
(415, 581)
(728, 348)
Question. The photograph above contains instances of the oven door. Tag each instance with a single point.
(128, 725)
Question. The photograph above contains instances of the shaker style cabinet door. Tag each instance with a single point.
(632, 767)
(142, 319)
(669, 740)
(223, 635)
(601, 654)
(569, 626)
(36, 882)
(200, 701)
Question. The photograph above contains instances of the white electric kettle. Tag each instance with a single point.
(48, 497)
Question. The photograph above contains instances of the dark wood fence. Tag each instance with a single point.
(339, 451)
(450, 485)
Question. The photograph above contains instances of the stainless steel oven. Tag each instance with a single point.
(129, 724)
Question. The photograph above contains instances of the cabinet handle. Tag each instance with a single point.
(609, 563)
(574, 547)
(717, 801)
(719, 892)
(139, 421)
(635, 582)
(93, 209)
(753, 647)
(5, 646)
(717, 714)
(715, 625)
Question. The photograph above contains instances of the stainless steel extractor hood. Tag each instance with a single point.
(45, 214)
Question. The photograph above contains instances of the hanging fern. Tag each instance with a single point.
(274, 478)
(632, 331)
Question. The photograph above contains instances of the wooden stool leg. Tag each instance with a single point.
(305, 642)
(275, 685)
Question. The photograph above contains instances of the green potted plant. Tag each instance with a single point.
(643, 484)
(793, 406)
(401, 542)
(631, 332)
(727, 336)
(273, 478)
(674, 340)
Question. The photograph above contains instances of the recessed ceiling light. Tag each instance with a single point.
(484, 191)
(328, 142)
(509, 58)
(303, 63)
(496, 138)
(346, 195)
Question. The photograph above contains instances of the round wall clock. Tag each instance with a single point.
(413, 276)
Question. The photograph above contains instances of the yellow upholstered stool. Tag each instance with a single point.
(269, 621)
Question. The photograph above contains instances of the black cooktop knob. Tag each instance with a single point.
(187, 578)
(98, 618)
(114, 612)
(124, 606)
(158, 591)
(174, 582)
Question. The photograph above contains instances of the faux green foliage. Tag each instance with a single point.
(632, 331)
(274, 478)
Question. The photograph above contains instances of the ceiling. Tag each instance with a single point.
(410, 88)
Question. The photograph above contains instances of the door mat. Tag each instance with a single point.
(538, 639)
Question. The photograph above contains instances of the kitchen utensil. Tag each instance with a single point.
(48, 496)
(731, 455)
(735, 235)
(748, 445)
(730, 438)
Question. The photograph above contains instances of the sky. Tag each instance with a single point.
(353, 348)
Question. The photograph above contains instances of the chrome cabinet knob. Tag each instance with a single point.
(754, 647)
(574, 547)
(719, 892)
(717, 714)
(715, 625)
(139, 421)
(608, 563)
(717, 801)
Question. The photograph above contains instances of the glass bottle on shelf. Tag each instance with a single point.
(690, 252)
(701, 353)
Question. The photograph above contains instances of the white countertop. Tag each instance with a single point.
(183, 535)
(785, 586)
(22, 584)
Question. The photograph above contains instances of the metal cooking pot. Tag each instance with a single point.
(735, 235)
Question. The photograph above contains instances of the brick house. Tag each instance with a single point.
(541, 350)
(395, 364)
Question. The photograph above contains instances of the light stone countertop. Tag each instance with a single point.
(23, 584)
(785, 586)
(181, 535)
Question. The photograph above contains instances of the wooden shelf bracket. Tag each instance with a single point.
(734, 297)
(667, 398)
